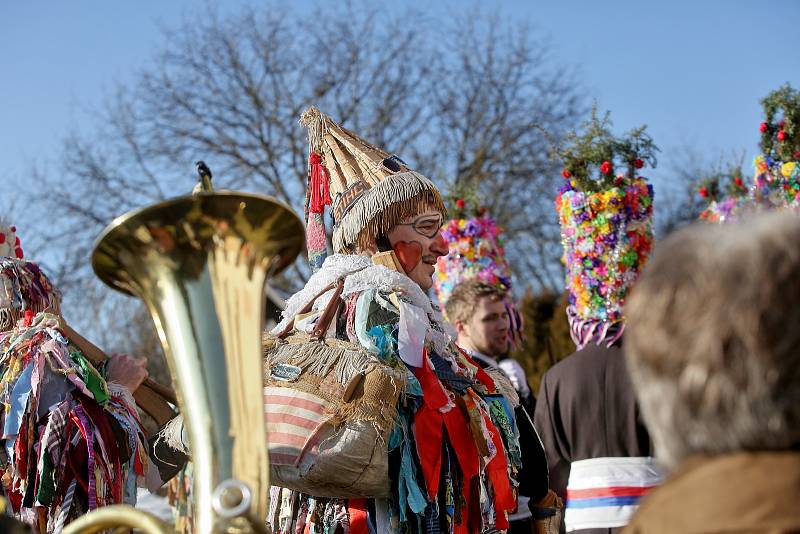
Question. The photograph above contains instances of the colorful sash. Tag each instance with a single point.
(605, 492)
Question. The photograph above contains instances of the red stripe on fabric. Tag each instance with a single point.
(614, 491)
(281, 458)
(282, 438)
(298, 402)
(482, 376)
(286, 418)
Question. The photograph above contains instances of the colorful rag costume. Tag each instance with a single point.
(71, 441)
(598, 449)
(453, 440)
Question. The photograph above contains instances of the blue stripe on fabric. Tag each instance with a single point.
(602, 501)
(18, 401)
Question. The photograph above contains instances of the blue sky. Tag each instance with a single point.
(694, 71)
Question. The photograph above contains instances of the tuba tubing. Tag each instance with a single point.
(200, 264)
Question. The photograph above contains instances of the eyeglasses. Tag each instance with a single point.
(426, 225)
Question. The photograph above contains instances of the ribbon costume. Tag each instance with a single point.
(71, 441)
(452, 440)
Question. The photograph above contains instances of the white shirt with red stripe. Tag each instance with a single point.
(605, 492)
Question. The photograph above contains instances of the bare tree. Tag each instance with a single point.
(465, 104)
(509, 102)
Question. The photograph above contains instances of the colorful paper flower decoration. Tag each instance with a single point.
(476, 252)
(606, 224)
(607, 237)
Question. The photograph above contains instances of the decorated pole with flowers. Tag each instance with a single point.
(776, 183)
(605, 210)
(777, 173)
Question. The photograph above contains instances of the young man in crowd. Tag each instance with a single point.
(479, 313)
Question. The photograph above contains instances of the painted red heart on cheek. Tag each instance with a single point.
(409, 254)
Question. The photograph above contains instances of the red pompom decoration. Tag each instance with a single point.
(606, 167)
(781, 125)
(18, 252)
(738, 181)
(13, 229)
(2, 238)
(781, 136)
(566, 174)
(460, 203)
(16, 243)
(764, 127)
(703, 192)
(638, 163)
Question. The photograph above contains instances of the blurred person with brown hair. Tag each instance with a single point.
(712, 347)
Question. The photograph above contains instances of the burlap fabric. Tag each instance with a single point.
(329, 408)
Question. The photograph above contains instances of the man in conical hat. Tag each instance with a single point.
(450, 441)
(71, 439)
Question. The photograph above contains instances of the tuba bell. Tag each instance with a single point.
(200, 264)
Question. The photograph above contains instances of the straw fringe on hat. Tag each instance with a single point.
(369, 190)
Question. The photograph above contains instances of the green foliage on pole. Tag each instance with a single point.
(594, 159)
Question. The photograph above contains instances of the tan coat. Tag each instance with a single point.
(740, 493)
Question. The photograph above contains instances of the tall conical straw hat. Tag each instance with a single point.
(369, 189)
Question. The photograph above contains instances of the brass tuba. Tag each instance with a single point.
(200, 264)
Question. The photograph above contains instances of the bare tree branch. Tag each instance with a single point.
(465, 103)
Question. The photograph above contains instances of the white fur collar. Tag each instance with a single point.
(361, 274)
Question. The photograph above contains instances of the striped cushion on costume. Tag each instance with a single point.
(293, 419)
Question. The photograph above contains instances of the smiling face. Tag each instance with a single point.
(418, 243)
